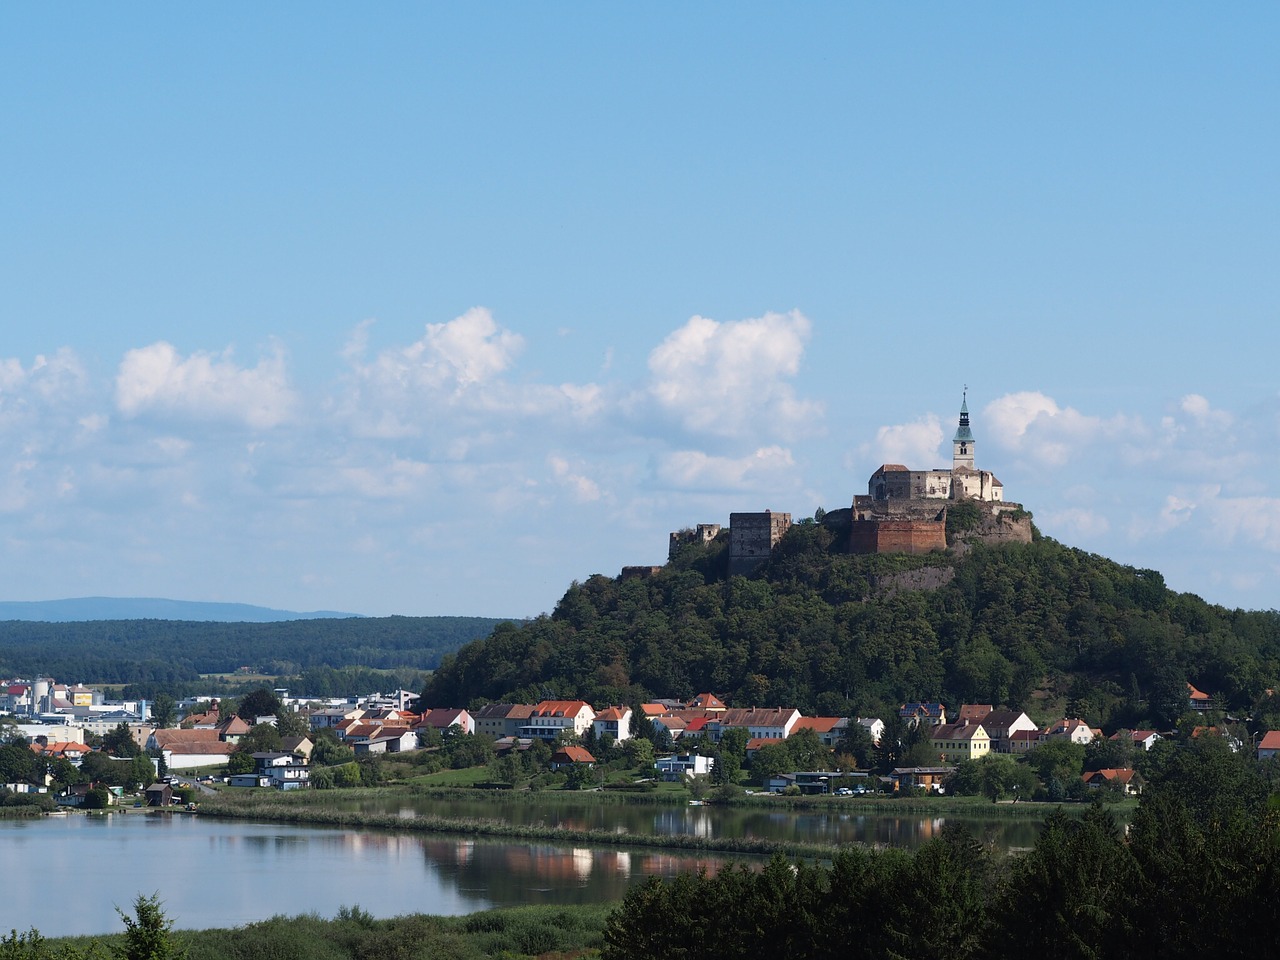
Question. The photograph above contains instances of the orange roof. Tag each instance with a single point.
(707, 701)
(613, 713)
(974, 712)
(818, 724)
(1195, 694)
(573, 755)
(755, 743)
(560, 708)
(1271, 741)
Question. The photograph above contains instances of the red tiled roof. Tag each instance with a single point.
(560, 708)
(573, 755)
(818, 724)
(1271, 741)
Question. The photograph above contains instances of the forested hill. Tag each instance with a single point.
(1040, 626)
(166, 651)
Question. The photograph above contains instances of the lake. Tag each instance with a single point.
(69, 873)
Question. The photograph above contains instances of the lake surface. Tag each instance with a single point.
(878, 827)
(66, 875)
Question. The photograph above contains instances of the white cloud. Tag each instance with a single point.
(1252, 520)
(730, 379)
(50, 383)
(204, 386)
(1033, 423)
(1073, 522)
(695, 470)
(914, 444)
(455, 367)
(584, 489)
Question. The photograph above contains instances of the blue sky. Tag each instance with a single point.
(432, 310)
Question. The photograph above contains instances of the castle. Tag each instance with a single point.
(903, 511)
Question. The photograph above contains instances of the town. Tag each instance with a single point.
(84, 747)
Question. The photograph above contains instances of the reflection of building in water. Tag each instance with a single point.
(581, 860)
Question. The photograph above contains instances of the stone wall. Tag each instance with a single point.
(752, 537)
(703, 534)
(897, 536)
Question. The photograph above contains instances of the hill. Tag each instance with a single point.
(150, 608)
(1039, 625)
(171, 651)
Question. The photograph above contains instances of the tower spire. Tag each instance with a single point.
(963, 443)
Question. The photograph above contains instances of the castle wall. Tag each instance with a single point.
(752, 537)
(703, 534)
(910, 485)
(897, 536)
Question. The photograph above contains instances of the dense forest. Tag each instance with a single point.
(170, 652)
(1196, 875)
(1040, 626)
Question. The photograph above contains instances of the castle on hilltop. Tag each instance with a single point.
(903, 511)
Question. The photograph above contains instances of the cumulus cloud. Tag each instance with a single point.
(913, 444)
(204, 386)
(1072, 522)
(1033, 423)
(583, 488)
(48, 383)
(731, 379)
(1250, 520)
(458, 366)
(695, 470)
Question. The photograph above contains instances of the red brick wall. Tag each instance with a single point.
(897, 536)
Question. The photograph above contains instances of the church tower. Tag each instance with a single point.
(963, 444)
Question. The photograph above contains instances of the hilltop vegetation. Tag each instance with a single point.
(170, 652)
(1039, 624)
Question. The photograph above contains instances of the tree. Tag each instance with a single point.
(119, 742)
(260, 703)
(639, 753)
(148, 935)
(17, 763)
(164, 710)
(291, 723)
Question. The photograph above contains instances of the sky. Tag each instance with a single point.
(433, 309)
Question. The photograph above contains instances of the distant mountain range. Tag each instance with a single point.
(151, 608)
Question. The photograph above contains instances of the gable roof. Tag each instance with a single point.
(959, 731)
(560, 708)
(817, 724)
(708, 701)
(572, 755)
(974, 712)
(1271, 741)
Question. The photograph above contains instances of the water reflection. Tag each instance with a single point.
(266, 869)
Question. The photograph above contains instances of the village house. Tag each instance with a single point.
(914, 714)
(444, 718)
(683, 765)
(499, 720)
(614, 722)
(1073, 729)
(1198, 701)
(550, 718)
(567, 757)
(1130, 782)
(932, 779)
(763, 722)
(1002, 724)
(960, 741)
(1146, 739)
(829, 730)
(1269, 746)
